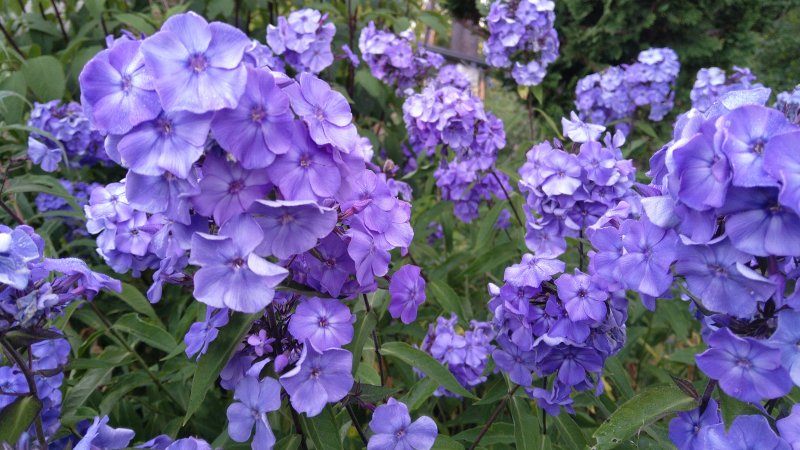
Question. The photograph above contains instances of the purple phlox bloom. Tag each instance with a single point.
(351, 57)
(17, 250)
(109, 202)
(46, 156)
(306, 171)
(717, 275)
(789, 427)
(333, 269)
(703, 173)
(196, 66)
(201, 334)
(553, 400)
(407, 291)
(782, 161)
(532, 271)
(172, 142)
(579, 131)
(650, 250)
(133, 235)
(583, 299)
(254, 400)
(50, 353)
(160, 442)
(574, 364)
(324, 323)
(515, 361)
(758, 224)
(227, 189)
(394, 430)
(747, 369)
(230, 274)
(189, 443)
(326, 112)
(318, 378)
(116, 91)
(747, 130)
(370, 194)
(260, 126)
(370, 258)
(684, 429)
(746, 432)
(261, 343)
(786, 338)
(600, 163)
(449, 347)
(291, 227)
(89, 283)
(165, 193)
(561, 174)
(101, 436)
(12, 381)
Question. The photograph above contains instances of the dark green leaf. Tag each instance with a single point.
(146, 332)
(291, 442)
(444, 442)
(447, 298)
(211, 364)
(732, 408)
(138, 302)
(498, 433)
(363, 329)
(23, 338)
(419, 393)
(569, 431)
(526, 427)
(375, 394)
(643, 409)
(425, 363)
(45, 77)
(17, 417)
(323, 430)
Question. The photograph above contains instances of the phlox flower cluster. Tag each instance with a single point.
(53, 205)
(99, 435)
(303, 39)
(242, 180)
(522, 34)
(789, 103)
(68, 124)
(34, 290)
(446, 116)
(720, 221)
(619, 91)
(712, 82)
(465, 353)
(567, 190)
(396, 59)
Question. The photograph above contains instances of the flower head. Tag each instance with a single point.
(394, 430)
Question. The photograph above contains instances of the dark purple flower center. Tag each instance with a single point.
(744, 363)
(257, 114)
(400, 433)
(165, 125)
(776, 208)
(127, 84)
(330, 263)
(237, 263)
(305, 161)
(287, 218)
(582, 293)
(316, 372)
(319, 113)
(235, 186)
(758, 146)
(323, 322)
(718, 270)
(198, 62)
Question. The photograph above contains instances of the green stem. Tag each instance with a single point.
(508, 197)
(26, 372)
(493, 417)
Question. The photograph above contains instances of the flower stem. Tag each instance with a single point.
(355, 423)
(375, 343)
(493, 417)
(60, 22)
(508, 197)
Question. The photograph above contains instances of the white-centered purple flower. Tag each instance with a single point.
(196, 66)
(407, 291)
(324, 323)
(579, 131)
(254, 399)
(532, 271)
(291, 226)
(231, 275)
(394, 430)
(318, 379)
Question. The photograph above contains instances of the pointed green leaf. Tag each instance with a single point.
(17, 417)
(323, 430)
(425, 362)
(147, 332)
(526, 427)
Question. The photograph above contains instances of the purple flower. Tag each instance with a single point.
(325, 111)
(261, 343)
(514, 361)
(318, 378)
(162, 194)
(260, 126)
(746, 432)
(579, 131)
(201, 334)
(758, 224)
(351, 57)
(572, 363)
(291, 226)
(101, 436)
(746, 368)
(650, 252)
(196, 66)
(747, 130)
(189, 443)
(254, 400)
(684, 429)
(703, 173)
(116, 90)
(172, 142)
(230, 274)
(227, 189)
(782, 161)
(394, 430)
(324, 323)
(583, 300)
(370, 259)
(561, 174)
(305, 172)
(532, 271)
(46, 156)
(331, 271)
(789, 427)
(786, 338)
(17, 249)
(407, 291)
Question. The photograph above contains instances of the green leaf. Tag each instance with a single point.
(526, 427)
(640, 411)
(17, 417)
(138, 302)
(434, 20)
(732, 408)
(371, 84)
(88, 383)
(444, 442)
(211, 364)
(375, 394)
(569, 431)
(151, 334)
(39, 184)
(12, 107)
(419, 393)
(448, 299)
(25, 337)
(364, 326)
(290, 442)
(498, 433)
(137, 22)
(323, 431)
(45, 77)
(425, 362)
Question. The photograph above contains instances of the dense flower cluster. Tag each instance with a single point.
(522, 34)
(711, 83)
(465, 354)
(55, 206)
(254, 179)
(396, 59)
(618, 91)
(567, 192)
(35, 289)
(445, 115)
(68, 124)
(789, 103)
(303, 39)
